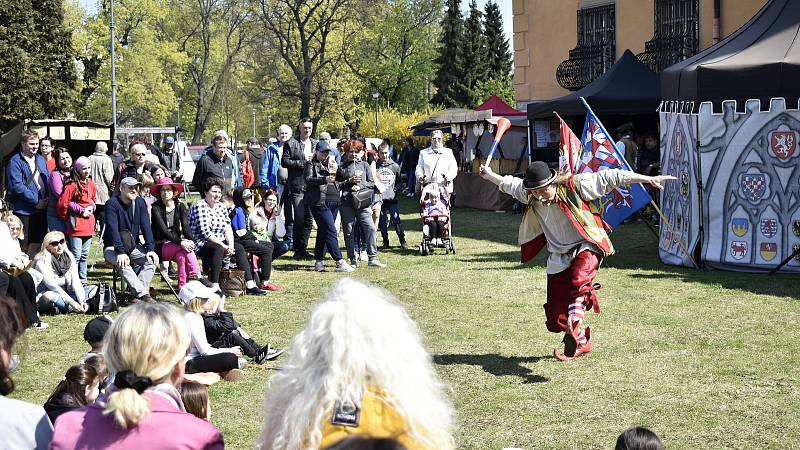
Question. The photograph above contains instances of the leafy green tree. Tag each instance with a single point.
(476, 64)
(451, 91)
(394, 53)
(36, 51)
(496, 43)
(502, 86)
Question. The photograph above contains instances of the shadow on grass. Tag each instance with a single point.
(496, 364)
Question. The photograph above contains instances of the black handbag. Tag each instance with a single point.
(103, 301)
(362, 198)
(128, 243)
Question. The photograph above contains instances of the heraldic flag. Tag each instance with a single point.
(600, 153)
(569, 149)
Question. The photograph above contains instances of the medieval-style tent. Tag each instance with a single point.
(729, 130)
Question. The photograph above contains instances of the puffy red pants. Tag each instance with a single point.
(577, 281)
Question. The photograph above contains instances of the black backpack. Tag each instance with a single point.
(103, 301)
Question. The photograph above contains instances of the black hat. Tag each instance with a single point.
(625, 127)
(538, 175)
(96, 329)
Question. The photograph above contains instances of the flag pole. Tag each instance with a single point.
(652, 202)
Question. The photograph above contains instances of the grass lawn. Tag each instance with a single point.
(706, 359)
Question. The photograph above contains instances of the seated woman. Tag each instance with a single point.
(376, 363)
(247, 244)
(145, 348)
(267, 224)
(77, 205)
(171, 231)
(61, 289)
(202, 357)
(78, 388)
(223, 331)
(213, 236)
(322, 197)
(15, 281)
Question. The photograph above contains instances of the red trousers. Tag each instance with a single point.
(577, 281)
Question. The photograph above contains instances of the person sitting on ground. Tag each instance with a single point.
(202, 357)
(61, 290)
(211, 228)
(248, 245)
(145, 348)
(223, 331)
(266, 223)
(360, 351)
(98, 363)
(78, 388)
(158, 172)
(25, 425)
(171, 230)
(126, 221)
(94, 333)
(15, 281)
(77, 205)
(638, 438)
(195, 399)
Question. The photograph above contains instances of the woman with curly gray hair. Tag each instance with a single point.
(358, 368)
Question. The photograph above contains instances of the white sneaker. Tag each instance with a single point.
(363, 255)
(40, 325)
(375, 263)
(319, 266)
(342, 266)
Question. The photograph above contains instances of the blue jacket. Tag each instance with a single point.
(24, 191)
(270, 166)
(118, 217)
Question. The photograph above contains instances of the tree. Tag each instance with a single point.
(394, 54)
(476, 64)
(449, 82)
(496, 43)
(36, 50)
(310, 37)
(501, 86)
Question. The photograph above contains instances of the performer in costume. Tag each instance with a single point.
(558, 216)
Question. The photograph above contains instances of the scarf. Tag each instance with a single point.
(61, 264)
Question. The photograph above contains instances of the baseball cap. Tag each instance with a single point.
(323, 146)
(96, 329)
(130, 181)
(195, 289)
(247, 193)
(169, 140)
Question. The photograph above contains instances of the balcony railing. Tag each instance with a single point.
(676, 34)
(595, 51)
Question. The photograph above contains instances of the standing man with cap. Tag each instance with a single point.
(325, 136)
(127, 225)
(169, 158)
(558, 216)
(626, 143)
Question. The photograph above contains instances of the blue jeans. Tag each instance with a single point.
(411, 181)
(279, 248)
(362, 217)
(79, 246)
(60, 302)
(325, 215)
(55, 224)
(392, 209)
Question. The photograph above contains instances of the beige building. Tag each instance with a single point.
(563, 45)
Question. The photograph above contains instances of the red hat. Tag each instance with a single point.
(155, 189)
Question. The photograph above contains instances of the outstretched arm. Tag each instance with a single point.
(488, 174)
(656, 182)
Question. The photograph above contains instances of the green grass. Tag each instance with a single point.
(706, 359)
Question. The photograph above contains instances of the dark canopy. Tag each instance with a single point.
(760, 60)
(629, 87)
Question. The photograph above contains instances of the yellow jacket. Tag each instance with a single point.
(378, 420)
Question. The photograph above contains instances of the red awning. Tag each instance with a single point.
(499, 107)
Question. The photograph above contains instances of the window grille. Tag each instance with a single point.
(596, 48)
(676, 33)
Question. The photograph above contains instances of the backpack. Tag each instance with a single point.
(248, 176)
(103, 301)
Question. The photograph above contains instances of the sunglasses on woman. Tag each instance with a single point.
(57, 243)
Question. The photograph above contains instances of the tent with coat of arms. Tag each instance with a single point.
(730, 123)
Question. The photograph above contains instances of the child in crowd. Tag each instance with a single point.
(94, 332)
(78, 388)
(223, 331)
(195, 399)
(434, 209)
(638, 438)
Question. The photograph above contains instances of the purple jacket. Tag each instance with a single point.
(166, 427)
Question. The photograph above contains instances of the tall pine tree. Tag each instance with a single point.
(496, 43)
(36, 51)
(449, 82)
(476, 64)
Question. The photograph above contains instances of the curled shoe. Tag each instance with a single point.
(577, 351)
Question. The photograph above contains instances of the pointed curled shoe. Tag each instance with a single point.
(575, 351)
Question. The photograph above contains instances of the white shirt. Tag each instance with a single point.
(307, 150)
(435, 164)
(200, 345)
(24, 425)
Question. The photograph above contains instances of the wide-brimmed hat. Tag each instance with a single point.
(538, 175)
(155, 189)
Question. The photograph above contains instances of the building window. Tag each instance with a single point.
(596, 48)
(676, 35)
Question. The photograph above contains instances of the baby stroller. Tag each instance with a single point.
(434, 205)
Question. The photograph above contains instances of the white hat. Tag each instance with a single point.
(195, 289)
